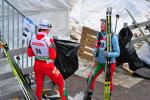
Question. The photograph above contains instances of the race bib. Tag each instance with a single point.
(40, 47)
(102, 44)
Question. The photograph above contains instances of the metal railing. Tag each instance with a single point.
(11, 26)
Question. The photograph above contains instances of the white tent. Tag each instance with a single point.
(56, 11)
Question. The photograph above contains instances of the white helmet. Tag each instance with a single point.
(45, 24)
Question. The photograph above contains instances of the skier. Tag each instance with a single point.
(100, 54)
(42, 47)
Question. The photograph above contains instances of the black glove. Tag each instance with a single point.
(5, 46)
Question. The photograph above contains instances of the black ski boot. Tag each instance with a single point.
(88, 96)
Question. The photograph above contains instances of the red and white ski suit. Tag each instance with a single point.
(41, 47)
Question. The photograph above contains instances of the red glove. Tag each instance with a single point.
(52, 51)
(97, 44)
(30, 51)
(94, 65)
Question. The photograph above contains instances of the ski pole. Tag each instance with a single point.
(117, 17)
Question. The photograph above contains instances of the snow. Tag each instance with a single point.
(143, 53)
(89, 12)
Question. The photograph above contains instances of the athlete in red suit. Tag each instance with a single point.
(41, 46)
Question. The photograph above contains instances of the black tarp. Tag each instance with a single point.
(67, 58)
(128, 54)
(125, 36)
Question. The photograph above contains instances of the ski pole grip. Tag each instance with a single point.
(117, 16)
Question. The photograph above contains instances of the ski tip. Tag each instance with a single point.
(107, 8)
(110, 8)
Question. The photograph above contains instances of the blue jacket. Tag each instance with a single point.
(115, 48)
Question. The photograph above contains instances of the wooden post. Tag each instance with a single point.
(1, 45)
(126, 68)
(87, 43)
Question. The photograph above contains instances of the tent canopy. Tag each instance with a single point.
(56, 11)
